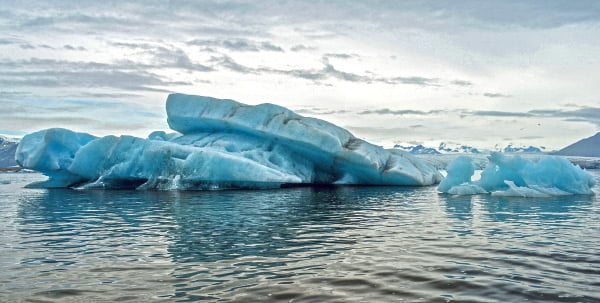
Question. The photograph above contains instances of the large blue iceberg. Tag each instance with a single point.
(517, 177)
(220, 144)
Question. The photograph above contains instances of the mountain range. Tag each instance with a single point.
(8, 147)
(588, 147)
(448, 148)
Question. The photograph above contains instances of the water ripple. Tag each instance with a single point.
(344, 244)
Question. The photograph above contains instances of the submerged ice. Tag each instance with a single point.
(515, 176)
(220, 144)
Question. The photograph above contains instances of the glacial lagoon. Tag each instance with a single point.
(304, 244)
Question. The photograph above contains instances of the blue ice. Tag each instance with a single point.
(515, 176)
(220, 144)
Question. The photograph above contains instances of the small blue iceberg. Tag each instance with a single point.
(513, 176)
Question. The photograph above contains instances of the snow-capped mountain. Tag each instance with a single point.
(417, 149)
(522, 149)
(442, 148)
(455, 148)
(8, 146)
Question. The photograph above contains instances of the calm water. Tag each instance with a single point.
(345, 244)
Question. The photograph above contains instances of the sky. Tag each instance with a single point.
(481, 73)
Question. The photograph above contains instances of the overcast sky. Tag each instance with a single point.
(475, 72)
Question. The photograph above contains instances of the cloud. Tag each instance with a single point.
(461, 83)
(4, 41)
(27, 46)
(134, 76)
(340, 55)
(493, 113)
(366, 132)
(175, 58)
(50, 73)
(61, 19)
(237, 45)
(270, 47)
(91, 103)
(30, 114)
(161, 56)
(531, 137)
(14, 41)
(11, 106)
(314, 75)
(300, 47)
(29, 124)
(123, 80)
(74, 48)
(57, 120)
(583, 114)
(123, 126)
(415, 80)
(135, 45)
(586, 112)
(19, 117)
(13, 94)
(105, 95)
(328, 72)
(550, 14)
(320, 111)
(323, 18)
(387, 111)
(46, 46)
(230, 64)
(496, 95)
(133, 49)
(240, 45)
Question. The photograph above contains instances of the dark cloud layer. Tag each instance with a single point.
(241, 45)
(493, 113)
(496, 95)
(300, 47)
(320, 111)
(327, 72)
(387, 111)
(129, 75)
(461, 83)
(118, 50)
(135, 14)
(583, 114)
(234, 26)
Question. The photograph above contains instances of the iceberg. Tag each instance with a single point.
(517, 177)
(220, 144)
(51, 152)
